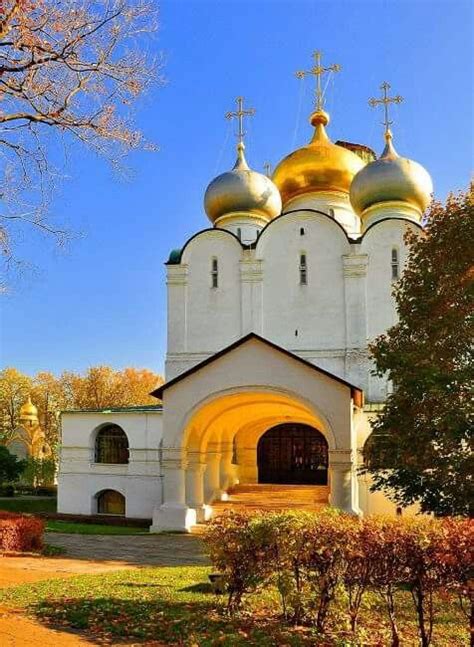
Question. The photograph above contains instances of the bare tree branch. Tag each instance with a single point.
(69, 72)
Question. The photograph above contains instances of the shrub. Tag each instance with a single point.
(46, 490)
(238, 550)
(288, 544)
(309, 557)
(7, 490)
(20, 533)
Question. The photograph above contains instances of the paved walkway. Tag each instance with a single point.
(134, 550)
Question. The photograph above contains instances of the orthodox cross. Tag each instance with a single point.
(239, 114)
(268, 169)
(385, 101)
(318, 71)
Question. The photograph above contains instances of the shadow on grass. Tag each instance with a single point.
(202, 587)
(113, 619)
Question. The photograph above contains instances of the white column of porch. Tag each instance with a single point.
(343, 486)
(195, 486)
(173, 513)
(212, 481)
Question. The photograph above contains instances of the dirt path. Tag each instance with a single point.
(16, 630)
(85, 554)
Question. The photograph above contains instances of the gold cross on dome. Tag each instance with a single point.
(385, 101)
(318, 71)
(239, 114)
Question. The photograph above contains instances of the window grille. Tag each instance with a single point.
(111, 446)
(214, 273)
(303, 270)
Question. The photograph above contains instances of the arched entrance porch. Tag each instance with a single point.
(215, 413)
(221, 441)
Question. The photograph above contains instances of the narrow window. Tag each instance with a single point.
(331, 213)
(303, 270)
(214, 273)
(302, 231)
(395, 265)
(239, 233)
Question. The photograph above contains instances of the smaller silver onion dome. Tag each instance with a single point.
(391, 178)
(243, 191)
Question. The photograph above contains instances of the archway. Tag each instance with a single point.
(292, 453)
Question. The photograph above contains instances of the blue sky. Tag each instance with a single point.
(103, 300)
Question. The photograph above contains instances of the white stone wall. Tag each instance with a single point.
(81, 479)
(346, 303)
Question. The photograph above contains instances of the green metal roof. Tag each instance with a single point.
(146, 408)
(174, 257)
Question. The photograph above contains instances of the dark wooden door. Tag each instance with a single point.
(292, 453)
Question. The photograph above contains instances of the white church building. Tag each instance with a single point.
(270, 313)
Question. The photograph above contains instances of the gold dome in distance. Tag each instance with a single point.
(28, 409)
(242, 191)
(391, 178)
(319, 166)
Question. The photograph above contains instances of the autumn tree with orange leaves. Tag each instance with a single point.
(70, 72)
(98, 387)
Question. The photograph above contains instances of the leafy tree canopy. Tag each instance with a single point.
(421, 446)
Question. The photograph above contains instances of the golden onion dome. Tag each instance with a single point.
(242, 191)
(28, 409)
(319, 166)
(391, 178)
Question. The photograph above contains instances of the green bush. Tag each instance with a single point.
(312, 558)
(46, 490)
(7, 490)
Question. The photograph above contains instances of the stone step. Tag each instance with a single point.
(272, 498)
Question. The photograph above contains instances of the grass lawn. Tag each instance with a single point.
(92, 528)
(174, 605)
(19, 504)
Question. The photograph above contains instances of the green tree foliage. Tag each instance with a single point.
(39, 471)
(10, 467)
(421, 447)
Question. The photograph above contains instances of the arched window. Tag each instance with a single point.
(395, 265)
(214, 273)
(110, 502)
(303, 270)
(111, 445)
(331, 213)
